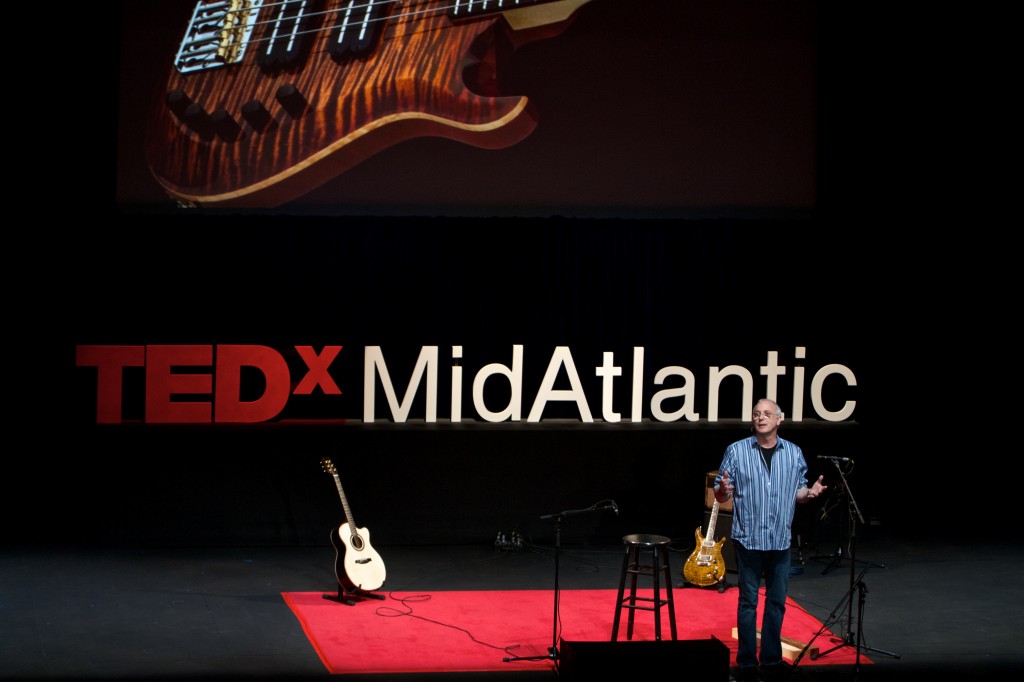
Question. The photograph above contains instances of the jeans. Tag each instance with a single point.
(751, 565)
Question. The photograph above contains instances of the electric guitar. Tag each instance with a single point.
(357, 564)
(705, 566)
(268, 99)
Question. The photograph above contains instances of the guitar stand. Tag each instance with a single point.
(352, 597)
(722, 585)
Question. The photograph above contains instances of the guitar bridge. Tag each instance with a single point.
(363, 561)
(217, 34)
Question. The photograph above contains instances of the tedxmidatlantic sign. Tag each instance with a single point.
(246, 384)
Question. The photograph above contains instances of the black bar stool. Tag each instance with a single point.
(661, 573)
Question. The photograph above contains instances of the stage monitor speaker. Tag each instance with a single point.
(706, 660)
(723, 529)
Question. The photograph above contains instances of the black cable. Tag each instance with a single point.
(391, 612)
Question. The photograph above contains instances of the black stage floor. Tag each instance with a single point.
(935, 609)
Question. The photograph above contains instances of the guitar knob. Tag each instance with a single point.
(291, 99)
(178, 102)
(256, 114)
(227, 128)
(198, 120)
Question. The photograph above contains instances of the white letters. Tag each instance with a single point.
(819, 405)
(562, 360)
(636, 413)
(686, 391)
(797, 411)
(561, 357)
(608, 372)
(374, 362)
(715, 377)
(514, 408)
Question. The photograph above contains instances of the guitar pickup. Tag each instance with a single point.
(290, 31)
(357, 26)
(218, 34)
(465, 8)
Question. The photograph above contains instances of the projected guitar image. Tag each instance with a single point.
(358, 566)
(266, 101)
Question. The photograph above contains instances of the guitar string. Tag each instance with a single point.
(410, 15)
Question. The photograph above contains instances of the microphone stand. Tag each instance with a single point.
(856, 583)
(827, 622)
(850, 528)
(557, 518)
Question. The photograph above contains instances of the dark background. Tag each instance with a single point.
(711, 181)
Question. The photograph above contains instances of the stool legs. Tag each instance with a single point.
(634, 572)
(656, 570)
(660, 569)
(618, 598)
(661, 562)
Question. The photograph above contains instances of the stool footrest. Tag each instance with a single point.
(642, 608)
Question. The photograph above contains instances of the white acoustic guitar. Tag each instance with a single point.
(357, 564)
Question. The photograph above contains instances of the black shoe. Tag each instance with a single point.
(779, 671)
(748, 674)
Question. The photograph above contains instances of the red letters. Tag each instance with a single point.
(317, 373)
(109, 362)
(162, 383)
(181, 379)
(230, 360)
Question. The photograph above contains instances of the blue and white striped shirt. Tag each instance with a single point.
(763, 502)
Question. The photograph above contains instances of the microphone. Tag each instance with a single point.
(615, 508)
(835, 459)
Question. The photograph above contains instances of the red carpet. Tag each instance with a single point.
(467, 631)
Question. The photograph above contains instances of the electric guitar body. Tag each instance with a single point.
(357, 564)
(706, 566)
(267, 100)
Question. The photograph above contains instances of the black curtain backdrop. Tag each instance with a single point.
(711, 182)
(693, 294)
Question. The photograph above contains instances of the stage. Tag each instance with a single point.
(177, 613)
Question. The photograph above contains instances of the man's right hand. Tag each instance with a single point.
(725, 488)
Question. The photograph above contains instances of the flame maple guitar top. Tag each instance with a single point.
(705, 566)
(426, 74)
